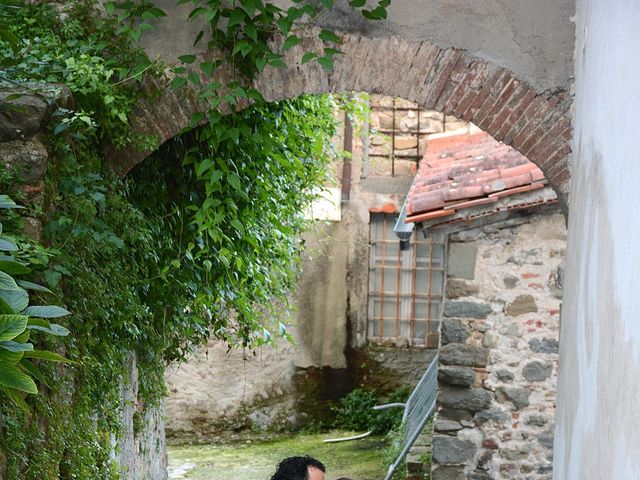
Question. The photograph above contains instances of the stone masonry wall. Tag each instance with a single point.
(499, 351)
(25, 157)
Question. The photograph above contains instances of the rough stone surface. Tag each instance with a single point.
(545, 345)
(462, 260)
(537, 371)
(466, 309)
(472, 399)
(448, 473)
(521, 305)
(516, 266)
(505, 375)
(452, 330)
(27, 160)
(457, 288)
(516, 395)
(492, 415)
(465, 355)
(452, 451)
(457, 376)
(24, 113)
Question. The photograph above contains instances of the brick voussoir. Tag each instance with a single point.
(439, 76)
(523, 123)
(475, 87)
(482, 95)
(501, 102)
(457, 75)
(492, 99)
(462, 86)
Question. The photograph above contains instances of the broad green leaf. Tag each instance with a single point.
(357, 3)
(7, 282)
(178, 82)
(7, 246)
(32, 370)
(207, 68)
(10, 357)
(307, 57)
(43, 325)
(33, 286)
(187, 58)
(329, 36)
(46, 355)
(11, 326)
(45, 311)
(234, 181)
(6, 202)
(16, 346)
(16, 397)
(291, 42)
(12, 266)
(12, 377)
(17, 300)
(326, 62)
(328, 4)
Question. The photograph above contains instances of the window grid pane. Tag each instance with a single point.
(405, 286)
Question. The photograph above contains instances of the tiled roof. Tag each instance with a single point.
(469, 170)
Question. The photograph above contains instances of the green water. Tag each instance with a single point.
(359, 459)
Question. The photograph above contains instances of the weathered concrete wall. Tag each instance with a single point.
(499, 351)
(532, 39)
(598, 427)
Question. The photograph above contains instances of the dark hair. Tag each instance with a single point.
(296, 468)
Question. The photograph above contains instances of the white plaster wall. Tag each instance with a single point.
(598, 424)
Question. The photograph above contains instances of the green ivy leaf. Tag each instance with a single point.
(291, 42)
(307, 57)
(207, 68)
(329, 36)
(234, 181)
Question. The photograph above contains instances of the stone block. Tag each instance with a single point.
(458, 376)
(452, 451)
(448, 473)
(546, 345)
(504, 375)
(464, 355)
(26, 159)
(518, 396)
(466, 309)
(536, 421)
(462, 260)
(479, 475)
(454, 414)
(471, 399)
(521, 305)
(457, 288)
(453, 331)
(537, 371)
(510, 281)
(493, 415)
(546, 438)
(444, 425)
(24, 116)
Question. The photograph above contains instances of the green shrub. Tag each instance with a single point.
(355, 411)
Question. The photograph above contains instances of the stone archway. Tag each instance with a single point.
(446, 79)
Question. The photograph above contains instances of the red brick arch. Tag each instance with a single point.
(445, 79)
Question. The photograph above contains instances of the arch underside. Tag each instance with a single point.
(445, 79)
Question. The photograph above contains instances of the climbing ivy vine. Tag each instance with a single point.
(200, 241)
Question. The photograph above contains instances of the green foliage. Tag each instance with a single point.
(355, 411)
(144, 267)
(18, 321)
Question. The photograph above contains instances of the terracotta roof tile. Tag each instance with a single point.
(463, 171)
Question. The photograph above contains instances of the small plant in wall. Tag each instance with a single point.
(19, 320)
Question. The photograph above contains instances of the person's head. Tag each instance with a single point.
(299, 468)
